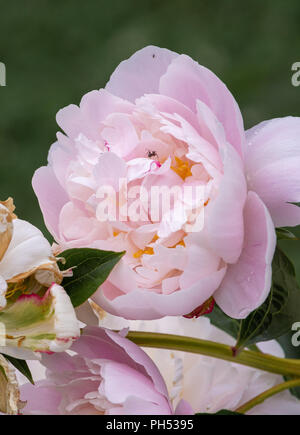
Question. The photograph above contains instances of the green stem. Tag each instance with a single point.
(266, 394)
(268, 363)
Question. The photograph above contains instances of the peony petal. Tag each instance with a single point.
(59, 157)
(139, 406)
(151, 305)
(142, 359)
(248, 282)
(272, 163)
(41, 398)
(120, 134)
(184, 408)
(134, 384)
(223, 218)
(51, 197)
(104, 373)
(94, 107)
(140, 74)
(109, 170)
(168, 106)
(187, 81)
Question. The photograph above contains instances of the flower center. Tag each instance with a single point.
(15, 287)
(182, 168)
(148, 251)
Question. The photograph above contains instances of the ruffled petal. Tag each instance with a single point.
(151, 305)
(187, 81)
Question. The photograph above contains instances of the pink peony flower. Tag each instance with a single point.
(106, 374)
(164, 121)
(210, 384)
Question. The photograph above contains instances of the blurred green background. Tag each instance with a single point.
(57, 50)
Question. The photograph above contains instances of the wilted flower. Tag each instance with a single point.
(36, 314)
(9, 389)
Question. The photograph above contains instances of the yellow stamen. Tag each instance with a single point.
(182, 168)
(140, 252)
(181, 243)
(149, 251)
(13, 288)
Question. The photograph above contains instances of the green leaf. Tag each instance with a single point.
(21, 365)
(281, 309)
(222, 321)
(222, 412)
(295, 203)
(91, 268)
(285, 234)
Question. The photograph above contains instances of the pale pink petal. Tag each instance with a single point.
(184, 408)
(138, 168)
(109, 170)
(198, 144)
(134, 384)
(59, 158)
(211, 128)
(169, 106)
(187, 81)
(139, 406)
(143, 235)
(223, 218)
(140, 74)
(151, 305)
(51, 197)
(120, 134)
(248, 282)
(272, 162)
(94, 108)
(41, 398)
(141, 358)
(108, 370)
(78, 227)
(97, 105)
(201, 262)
